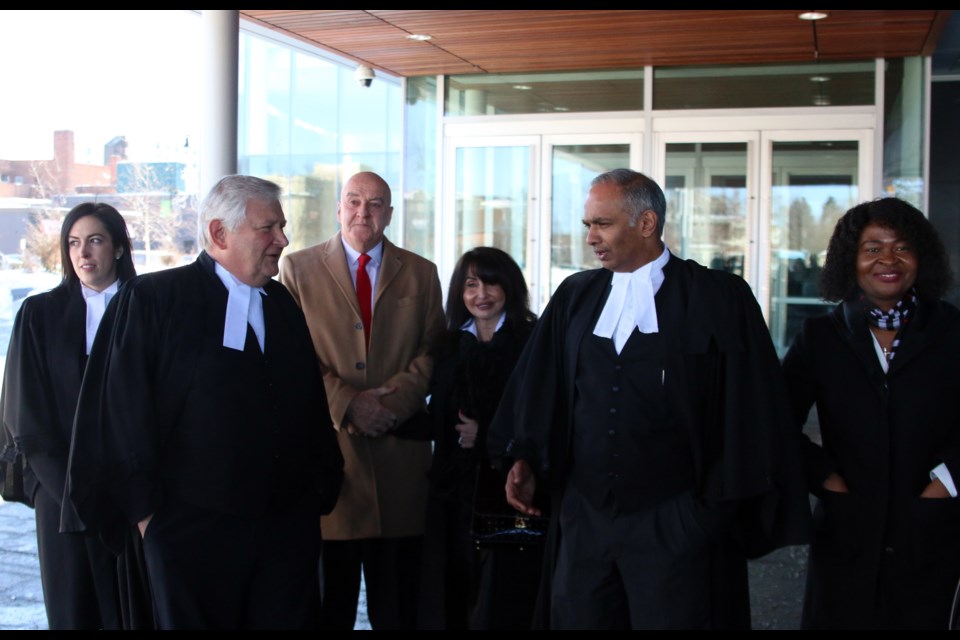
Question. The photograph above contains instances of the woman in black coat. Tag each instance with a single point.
(884, 372)
(488, 323)
(51, 338)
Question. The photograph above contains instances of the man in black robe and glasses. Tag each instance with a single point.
(649, 401)
(203, 419)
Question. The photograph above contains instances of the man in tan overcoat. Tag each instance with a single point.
(376, 379)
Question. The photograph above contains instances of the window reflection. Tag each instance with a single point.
(307, 125)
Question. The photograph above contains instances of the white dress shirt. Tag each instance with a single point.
(97, 302)
(470, 326)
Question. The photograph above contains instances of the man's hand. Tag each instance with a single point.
(468, 429)
(367, 416)
(935, 489)
(521, 485)
(143, 524)
(835, 483)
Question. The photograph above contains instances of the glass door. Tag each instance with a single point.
(710, 188)
(805, 180)
(814, 179)
(525, 195)
(491, 193)
(569, 164)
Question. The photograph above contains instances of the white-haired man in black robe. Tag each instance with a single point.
(203, 419)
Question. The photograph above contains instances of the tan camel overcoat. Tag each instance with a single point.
(385, 486)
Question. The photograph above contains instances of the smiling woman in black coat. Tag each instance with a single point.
(51, 338)
(488, 323)
(884, 372)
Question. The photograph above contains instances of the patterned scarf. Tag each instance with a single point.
(896, 319)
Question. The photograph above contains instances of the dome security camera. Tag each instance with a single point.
(364, 75)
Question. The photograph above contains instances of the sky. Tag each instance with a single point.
(100, 74)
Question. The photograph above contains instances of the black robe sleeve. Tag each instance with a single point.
(759, 462)
(800, 374)
(112, 476)
(529, 422)
(29, 411)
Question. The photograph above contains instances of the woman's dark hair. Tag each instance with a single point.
(115, 225)
(839, 278)
(491, 266)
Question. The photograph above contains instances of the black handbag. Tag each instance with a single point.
(494, 522)
(508, 528)
(11, 475)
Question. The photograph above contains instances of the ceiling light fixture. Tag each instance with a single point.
(419, 37)
(819, 78)
(522, 87)
(813, 17)
(821, 101)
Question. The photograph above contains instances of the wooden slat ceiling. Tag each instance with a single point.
(502, 41)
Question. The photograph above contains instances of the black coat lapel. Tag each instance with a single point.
(851, 323)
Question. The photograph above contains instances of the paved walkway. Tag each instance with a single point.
(21, 596)
(776, 581)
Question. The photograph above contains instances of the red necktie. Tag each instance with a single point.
(363, 294)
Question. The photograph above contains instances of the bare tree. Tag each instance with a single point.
(42, 237)
(156, 210)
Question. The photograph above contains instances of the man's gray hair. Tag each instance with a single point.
(639, 194)
(227, 201)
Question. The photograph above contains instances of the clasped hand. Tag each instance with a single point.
(468, 429)
(366, 416)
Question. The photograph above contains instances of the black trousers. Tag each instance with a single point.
(391, 573)
(644, 570)
(78, 574)
(211, 570)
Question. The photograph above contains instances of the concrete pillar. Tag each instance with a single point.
(220, 60)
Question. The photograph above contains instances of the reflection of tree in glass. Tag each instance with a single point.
(310, 206)
(832, 211)
(800, 224)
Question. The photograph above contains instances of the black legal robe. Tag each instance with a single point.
(723, 390)
(137, 393)
(153, 430)
(45, 366)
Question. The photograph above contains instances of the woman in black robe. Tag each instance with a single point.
(883, 369)
(466, 586)
(51, 339)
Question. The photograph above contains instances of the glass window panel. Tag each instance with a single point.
(313, 112)
(420, 165)
(814, 184)
(903, 124)
(706, 190)
(573, 167)
(306, 124)
(492, 200)
(752, 86)
(496, 94)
